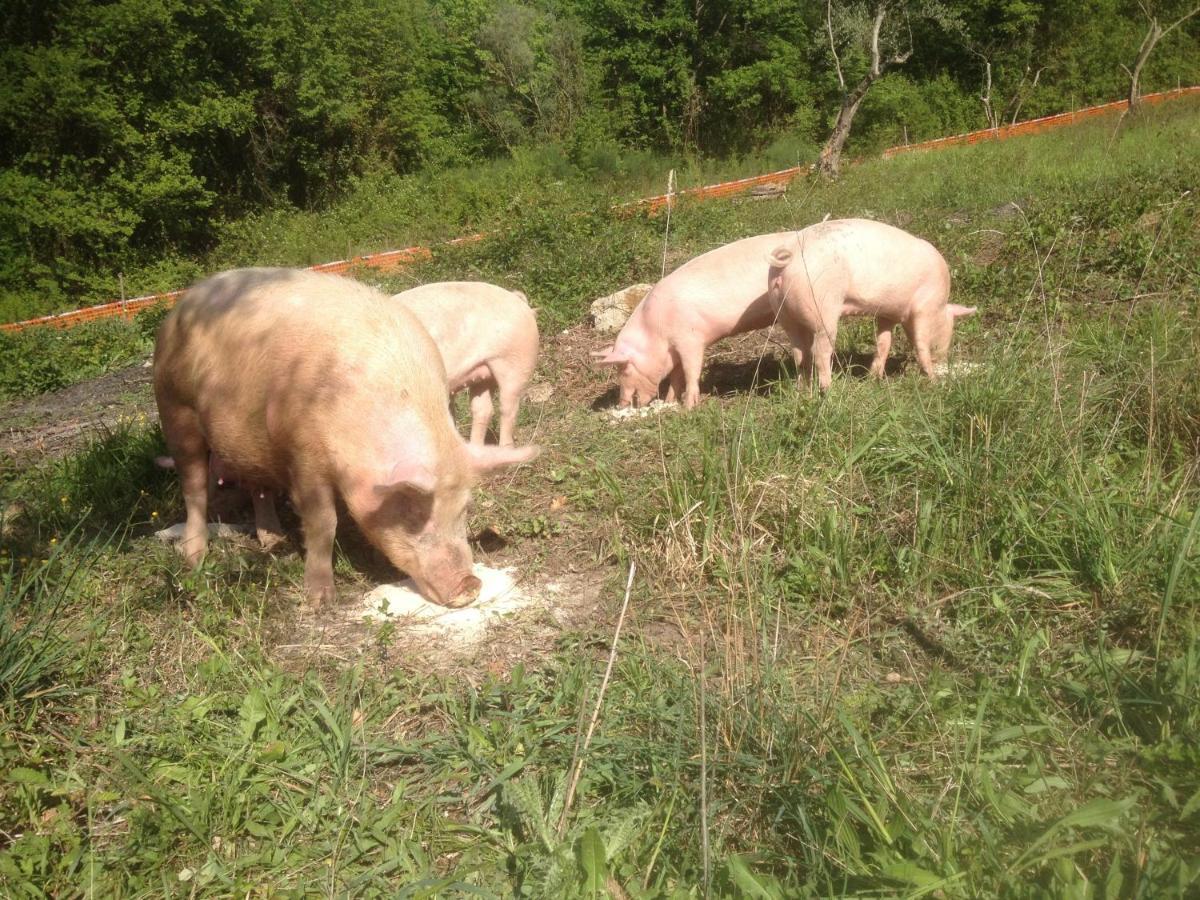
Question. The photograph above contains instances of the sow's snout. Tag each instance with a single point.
(466, 594)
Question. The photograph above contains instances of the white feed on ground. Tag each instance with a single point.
(499, 599)
(216, 531)
(653, 408)
(958, 367)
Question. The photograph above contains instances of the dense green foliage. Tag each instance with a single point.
(135, 133)
(906, 639)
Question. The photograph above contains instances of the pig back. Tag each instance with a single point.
(884, 265)
(719, 293)
(280, 363)
(473, 323)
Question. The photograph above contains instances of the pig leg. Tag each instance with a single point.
(918, 331)
(918, 336)
(314, 502)
(802, 348)
(481, 410)
(883, 345)
(691, 359)
(510, 405)
(181, 428)
(266, 521)
(677, 385)
(510, 385)
(823, 344)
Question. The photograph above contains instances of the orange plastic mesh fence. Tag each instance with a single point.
(391, 259)
(1033, 126)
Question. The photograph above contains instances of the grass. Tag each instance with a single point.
(900, 640)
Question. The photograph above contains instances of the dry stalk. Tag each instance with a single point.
(577, 762)
(703, 772)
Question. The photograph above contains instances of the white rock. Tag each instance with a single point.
(653, 408)
(960, 367)
(540, 392)
(609, 313)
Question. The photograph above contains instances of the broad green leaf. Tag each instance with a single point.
(253, 713)
(754, 885)
(592, 863)
(1192, 805)
(31, 777)
(911, 873)
(1046, 783)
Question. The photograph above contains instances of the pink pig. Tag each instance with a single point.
(861, 267)
(320, 386)
(488, 338)
(718, 294)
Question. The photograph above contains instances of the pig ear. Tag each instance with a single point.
(955, 310)
(779, 257)
(488, 457)
(610, 357)
(412, 474)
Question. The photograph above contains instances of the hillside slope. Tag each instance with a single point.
(903, 639)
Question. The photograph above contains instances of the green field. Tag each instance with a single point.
(905, 639)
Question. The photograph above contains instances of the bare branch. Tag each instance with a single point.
(1021, 94)
(986, 94)
(880, 13)
(1179, 21)
(837, 63)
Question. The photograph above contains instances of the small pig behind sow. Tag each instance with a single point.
(861, 267)
(716, 295)
(322, 387)
(488, 338)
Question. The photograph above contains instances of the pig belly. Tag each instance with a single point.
(477, 375)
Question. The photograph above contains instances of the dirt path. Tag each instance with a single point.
(53, 424)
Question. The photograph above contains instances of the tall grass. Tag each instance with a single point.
(905, 639)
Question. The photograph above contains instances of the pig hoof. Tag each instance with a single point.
(320, 593)
(270, 539)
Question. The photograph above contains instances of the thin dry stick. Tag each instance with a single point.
(703, 771)
(667, 228)
(577, 762)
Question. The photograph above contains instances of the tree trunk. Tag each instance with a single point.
(1152, 36)
(829, 162)
(986, 95)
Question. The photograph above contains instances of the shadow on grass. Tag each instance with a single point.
(762, 376)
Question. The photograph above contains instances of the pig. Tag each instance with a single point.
(718, 294)
(488, 338)
(322, 387)
(862, 267)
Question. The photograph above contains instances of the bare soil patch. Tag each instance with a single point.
(56, 423)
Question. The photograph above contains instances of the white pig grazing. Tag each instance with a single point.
(718, 294)
(322, 387)
(861, 267)
(488, 337)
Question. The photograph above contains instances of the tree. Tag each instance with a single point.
(1006, 38)
(882, 30)
(1155, 32)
